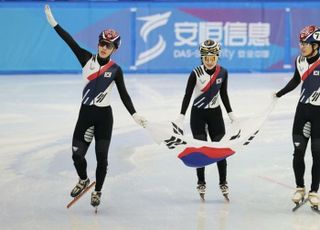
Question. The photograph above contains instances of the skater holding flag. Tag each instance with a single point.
(207, 82)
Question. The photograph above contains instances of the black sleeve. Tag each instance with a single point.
(224, 94)
(188, 93)
(125, 98)
(292, 84)
(82, 54)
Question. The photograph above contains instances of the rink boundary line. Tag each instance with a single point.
(276, 182)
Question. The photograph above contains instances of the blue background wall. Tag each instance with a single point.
(156, 37)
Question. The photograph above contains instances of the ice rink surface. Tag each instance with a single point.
(147, 186)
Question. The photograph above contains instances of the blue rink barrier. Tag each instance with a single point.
(157, 37)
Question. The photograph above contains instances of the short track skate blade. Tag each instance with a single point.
(315, 208)
(96, 210)
(202, 196)
(81, 194)
(298, 205)
(226, 197)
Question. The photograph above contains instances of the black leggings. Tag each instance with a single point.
(212, 120)
(306, 124)
(92, 122)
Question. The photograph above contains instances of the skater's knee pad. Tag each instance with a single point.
(307, 129)
(300, 143)
(79, 150)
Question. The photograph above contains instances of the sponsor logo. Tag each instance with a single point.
(151, 23)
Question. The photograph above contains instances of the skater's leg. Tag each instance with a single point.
(315, 149)
(222, 169)
(300, 136)
(79, 150)
(198, 128)
(82, 137)
(216, 129)
(103, 133)
(315, 172)
(81, 140)
(201, 176)
(102, 147)
(300, 144)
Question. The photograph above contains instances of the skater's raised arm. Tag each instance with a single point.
(82, 55)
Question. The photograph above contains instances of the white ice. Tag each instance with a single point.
(147, 186)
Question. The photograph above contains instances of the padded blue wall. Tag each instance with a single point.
(156, 37)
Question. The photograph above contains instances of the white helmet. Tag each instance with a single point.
(209, 48)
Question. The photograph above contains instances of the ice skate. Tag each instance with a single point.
(202, 190)
(225, 191)
(313, 198)
(298, 198)
(95, 199)
(314, 201)
(75, 199)
(80, 186)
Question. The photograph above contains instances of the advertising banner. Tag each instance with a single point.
(155, 38)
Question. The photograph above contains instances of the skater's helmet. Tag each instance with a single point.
(310, 34)
(209, 48)
(112, 36)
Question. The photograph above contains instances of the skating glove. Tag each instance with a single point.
(140, 120)
(274, 96)
(232, 117)
(50, 17)
(179, 121)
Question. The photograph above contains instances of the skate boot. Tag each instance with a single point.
(298, 196)
(95, 198)
(82, 184)
(202, 190)
(225, 191)
(314, 201)
(313, 198)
